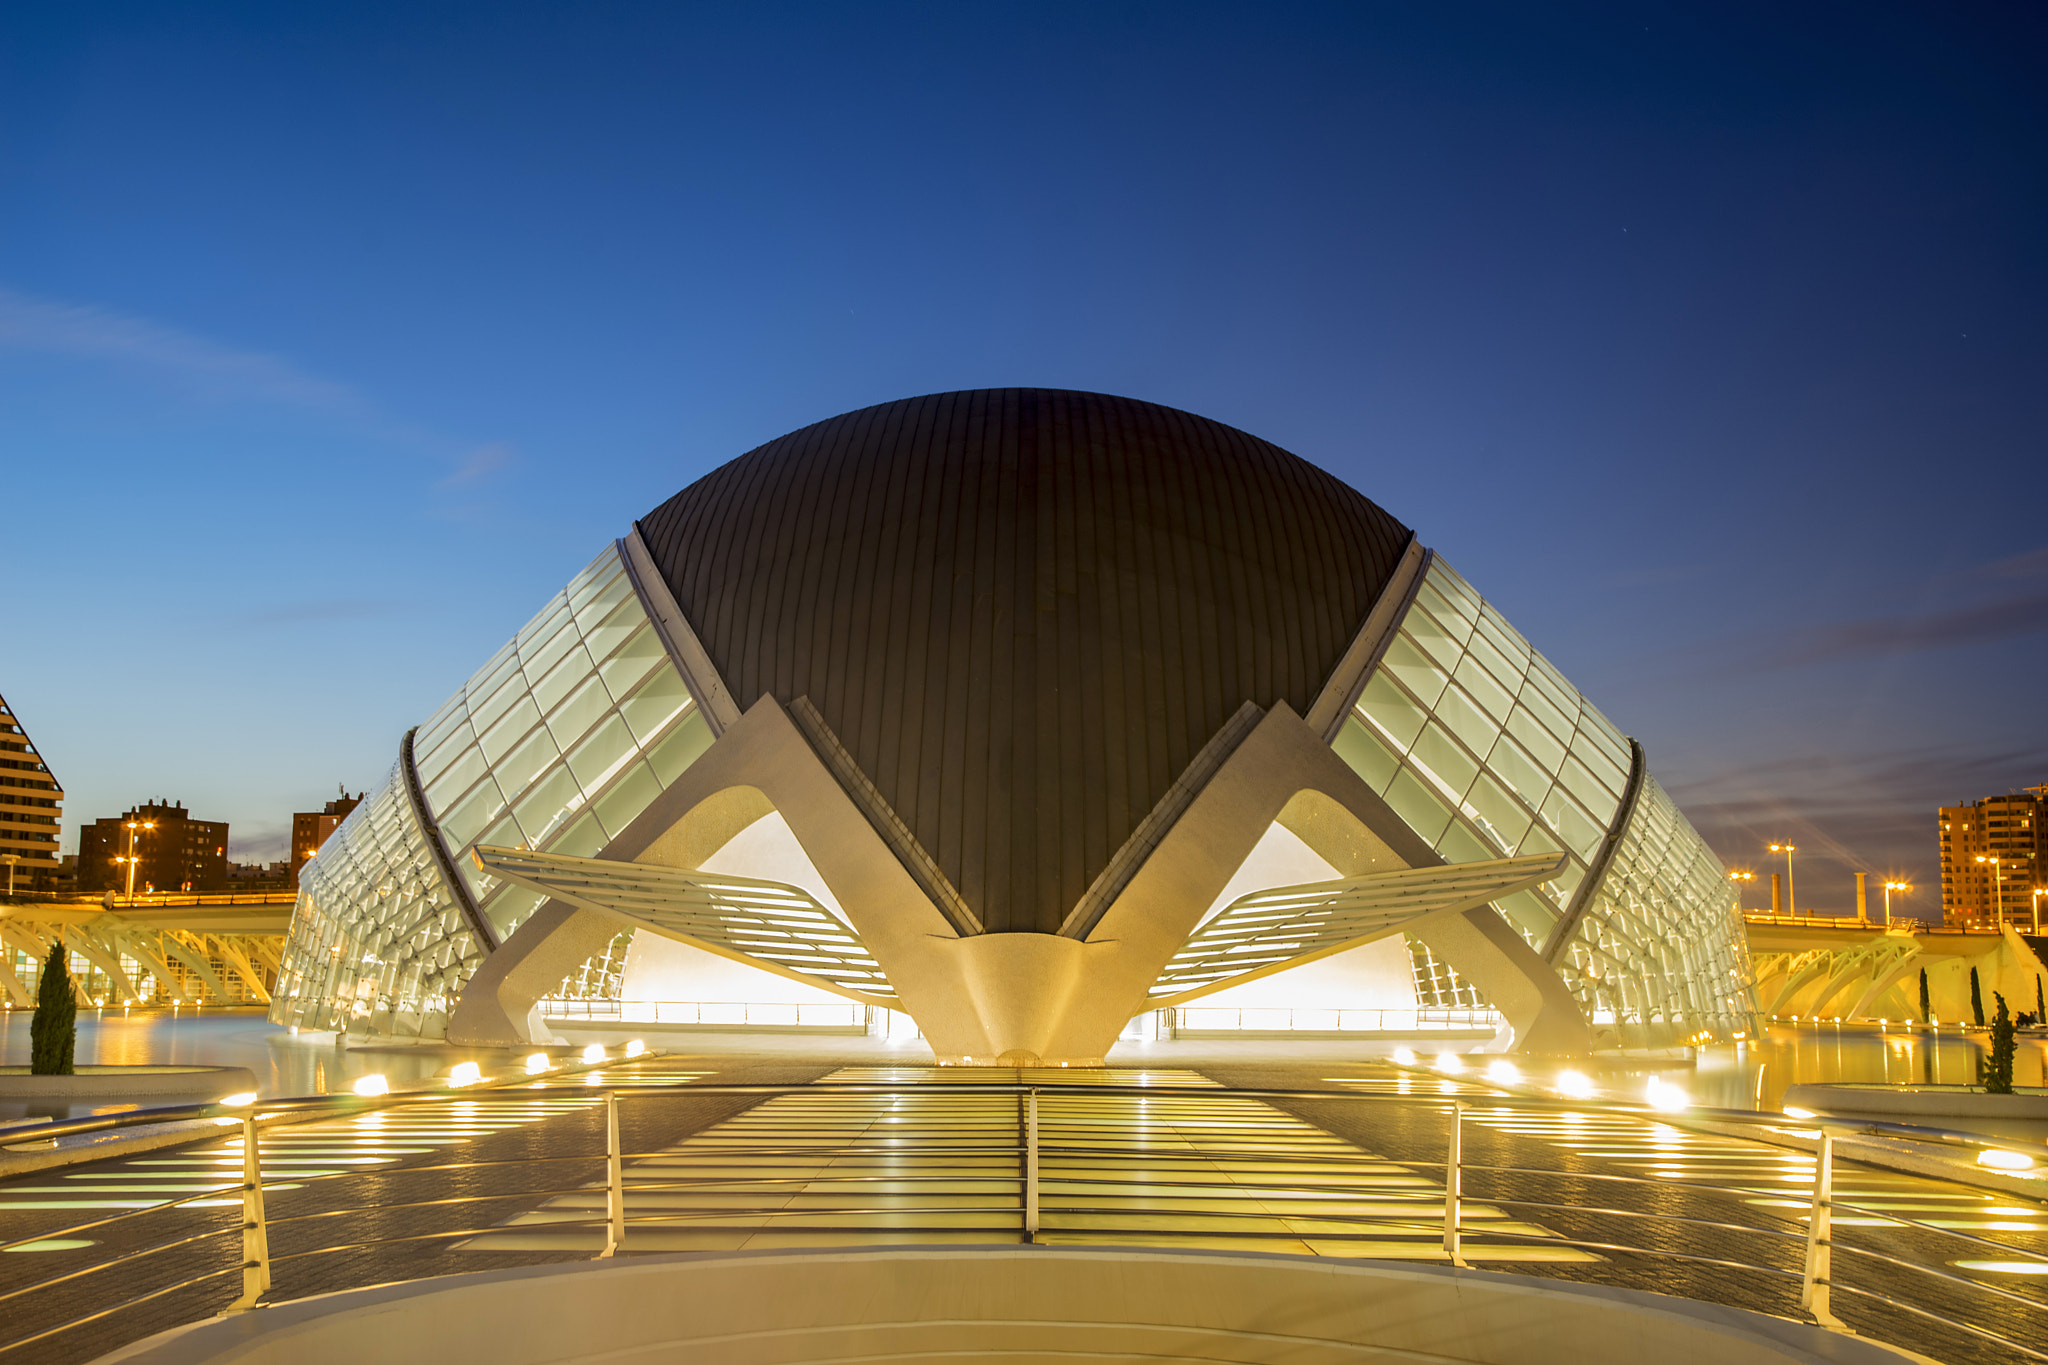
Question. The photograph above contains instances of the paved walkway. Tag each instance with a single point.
(518, 1146)
(1342, 1175)
(1557, 1164)
(1183, 1167)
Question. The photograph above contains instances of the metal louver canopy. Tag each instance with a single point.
(1285, 926)
(771, 925)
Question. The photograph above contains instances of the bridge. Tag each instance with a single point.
(165, 949)
(1844, 968)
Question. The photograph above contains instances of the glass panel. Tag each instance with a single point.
(1533, 703)
(681, 747)
(510, 907)
(1499, 816)
(1418, 806)
(1461, 845)
(655, 704)
(576, 715)
(1496, 663)
(634, 661)
(628, 796)
(1477, 729)
(1414, 670)
(606, 747)
(1430, 634)
(1579, 831)
(1611, 776)
(582, 839)
(499, 739)
(602, 637)
(1532, 916)
(1439, 755)
(471, 814)
(1511, 765)
(544, 807)
(1497, 700)
(1590, 793)
(526, 762)
(572, 669)
(546, 654)
(1367, 755)
(1444, 595)
(1391, 709)
(466, 767)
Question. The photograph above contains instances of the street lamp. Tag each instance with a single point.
(133, 825)
(1890, 887)
(2039, 892)
(1791, 896)
(10, 859)
(1739, 878)
(1997, 887)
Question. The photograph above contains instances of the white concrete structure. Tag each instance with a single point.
(1035, 1305)
(1022, 712)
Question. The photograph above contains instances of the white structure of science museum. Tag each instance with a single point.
(1023, 714)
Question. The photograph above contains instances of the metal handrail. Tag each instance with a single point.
(1815, 1274)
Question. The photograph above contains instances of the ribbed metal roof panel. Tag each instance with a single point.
(1023, 611)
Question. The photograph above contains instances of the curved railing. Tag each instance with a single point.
(1661, 1236)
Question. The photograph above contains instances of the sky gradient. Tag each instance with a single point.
(1710, 342)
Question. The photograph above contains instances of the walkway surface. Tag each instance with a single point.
(1352, 1170)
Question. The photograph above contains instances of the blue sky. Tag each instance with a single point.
(1707, 340)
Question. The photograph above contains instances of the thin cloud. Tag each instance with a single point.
(1985, 624)
(202, 367)
(478, 465)
(2031, 564)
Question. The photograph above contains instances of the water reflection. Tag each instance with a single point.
(284, 1064)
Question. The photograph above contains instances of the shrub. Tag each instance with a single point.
(53, 1034)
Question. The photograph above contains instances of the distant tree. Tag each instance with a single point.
(53, 1033)
(2040, 1006)
(1995, 1071)
(1976, 999)
(1926, 1011)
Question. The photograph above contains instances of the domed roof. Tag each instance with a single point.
(1023, 611)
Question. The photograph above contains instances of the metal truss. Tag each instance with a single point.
(1272, 930)
(1820, 980)
(771, 925)
(141, 964)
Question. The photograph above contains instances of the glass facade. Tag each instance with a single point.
(562, 739)
(1660, 948)
(557, 743)
(378, 941)
(1484, 749)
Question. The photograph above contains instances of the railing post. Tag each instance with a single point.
(1817, 1280)
(255, 1234)
(614, 1179)
(1031, 1165)
(1453, 1183)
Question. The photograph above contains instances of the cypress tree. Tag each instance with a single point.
(1998, 1074)
(1926, 1011)
(53, 1033)
(1976, 999)
(2040, 1007)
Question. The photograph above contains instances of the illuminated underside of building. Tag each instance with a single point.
(1021, 713)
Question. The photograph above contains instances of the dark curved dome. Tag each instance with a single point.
(1023, 611)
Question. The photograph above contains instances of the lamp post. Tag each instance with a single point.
(1997, 887)
(133, 825)
(2039, 892)
(1739, 878)
(10, 859)
(1890, 887)
(1791, 896)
